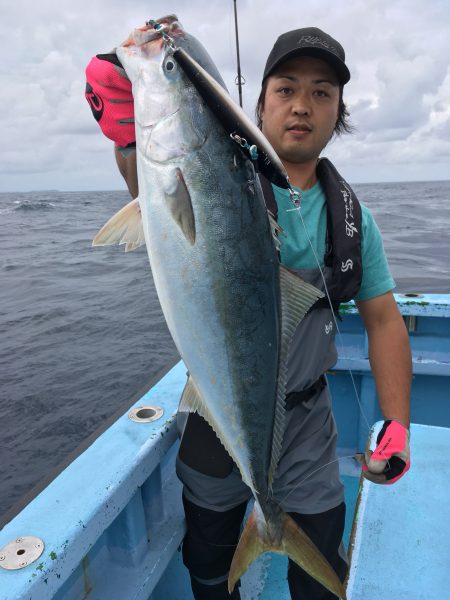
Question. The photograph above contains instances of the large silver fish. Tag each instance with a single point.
(230, 306)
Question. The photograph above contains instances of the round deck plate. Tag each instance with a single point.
(21, 552)
(145, 414)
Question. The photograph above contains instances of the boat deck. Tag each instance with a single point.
(401, 539)
(111, 520)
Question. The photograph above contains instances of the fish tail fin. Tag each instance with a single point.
(285, 538)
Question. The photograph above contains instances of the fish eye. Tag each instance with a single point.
(170, 65)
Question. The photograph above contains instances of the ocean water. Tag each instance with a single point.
(81, 330)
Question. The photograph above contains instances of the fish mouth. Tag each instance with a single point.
(146, 34)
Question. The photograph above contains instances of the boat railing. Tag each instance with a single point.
(111, 516)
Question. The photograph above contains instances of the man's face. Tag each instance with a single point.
(300, 108)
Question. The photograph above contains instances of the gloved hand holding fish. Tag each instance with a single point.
(108, 92)
(230, 306)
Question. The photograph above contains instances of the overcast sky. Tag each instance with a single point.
(398, 52)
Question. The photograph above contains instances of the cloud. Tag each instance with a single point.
(399, 94)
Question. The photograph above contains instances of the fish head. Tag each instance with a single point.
(169, 113)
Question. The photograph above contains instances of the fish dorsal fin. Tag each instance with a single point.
(297, 297)
(179, 203)
(125, 227)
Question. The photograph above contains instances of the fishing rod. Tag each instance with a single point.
(240, 80)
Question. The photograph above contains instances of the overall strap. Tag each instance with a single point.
(294, 398)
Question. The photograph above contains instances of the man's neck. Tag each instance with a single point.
(302, 175)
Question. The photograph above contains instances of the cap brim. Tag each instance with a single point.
(335, 62)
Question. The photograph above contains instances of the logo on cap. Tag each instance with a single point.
(314, 40)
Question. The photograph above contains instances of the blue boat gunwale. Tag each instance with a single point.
(29, 496)
(106, 493)
(431, 305)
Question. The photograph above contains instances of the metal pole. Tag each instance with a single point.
(239, 76)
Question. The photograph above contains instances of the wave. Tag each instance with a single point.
(33, 205)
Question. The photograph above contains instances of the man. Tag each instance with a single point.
(300, 108)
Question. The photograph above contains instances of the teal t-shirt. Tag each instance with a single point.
(296, 250)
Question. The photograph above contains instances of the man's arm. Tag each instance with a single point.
(128, 170)
(389, 355)
(109, 94)
(390, 359)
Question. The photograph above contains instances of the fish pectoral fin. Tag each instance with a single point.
(125, 227)
(297, 297)
(290, 540)
(179, 204)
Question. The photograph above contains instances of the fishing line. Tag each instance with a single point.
(297, 209)
(198, 539)
(312, 473)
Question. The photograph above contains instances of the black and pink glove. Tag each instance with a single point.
(390, 459)
(108, 91)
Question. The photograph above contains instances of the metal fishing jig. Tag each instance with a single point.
(252, 150)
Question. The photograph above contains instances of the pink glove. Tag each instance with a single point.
(391, 459)
(108, 91)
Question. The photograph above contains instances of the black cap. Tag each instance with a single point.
(309, 41)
